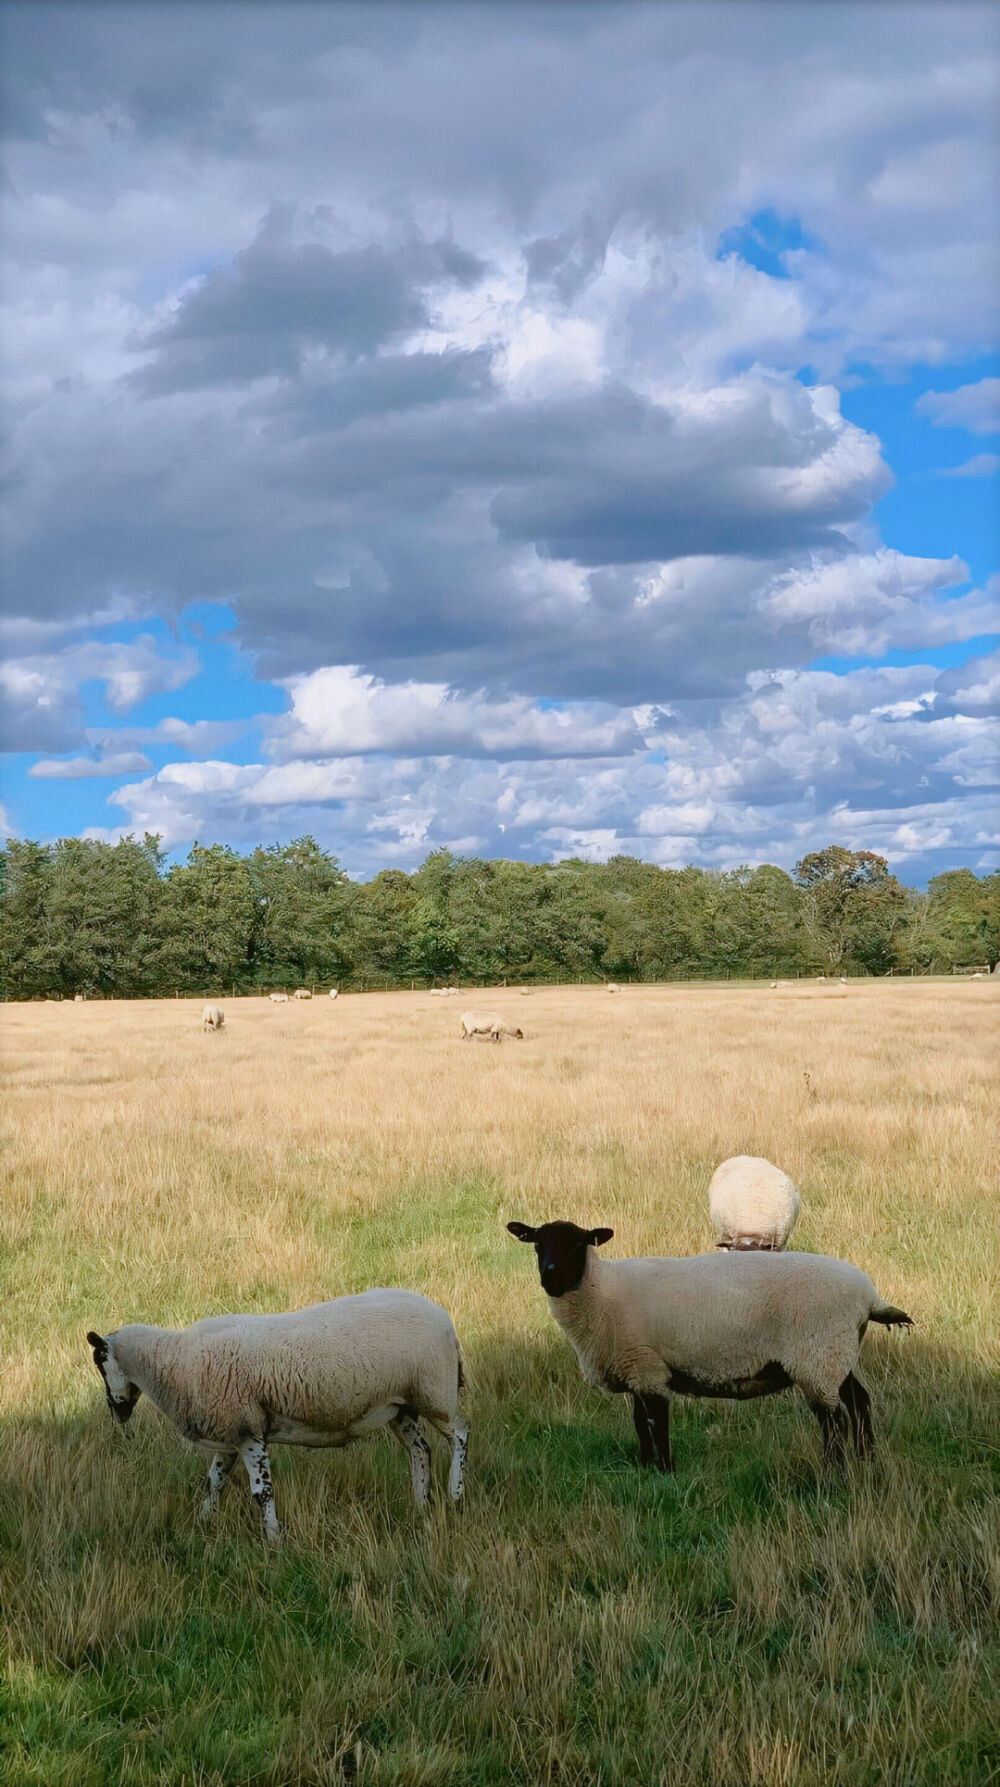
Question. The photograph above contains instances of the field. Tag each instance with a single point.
(746, 1623)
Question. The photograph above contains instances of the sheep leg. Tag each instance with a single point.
(858, 1404)
(258, 1469)
(833, 1422)
(658, 1417)
(643, 1433)
(218, 1471)
(408, 1429)
(457, 1435)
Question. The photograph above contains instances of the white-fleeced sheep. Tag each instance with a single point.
(488, 1023)
(334, 992)
(236, 1384)
(613, 987)
(278, 998)
(727, 1325)
(752, 1204)
(303, 993)
(213, 1018)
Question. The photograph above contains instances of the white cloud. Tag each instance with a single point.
(42, 707)
(981, 465)
(78, 769)
(975, 407)
(338, 711)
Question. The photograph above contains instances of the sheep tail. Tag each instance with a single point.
(891, 1317)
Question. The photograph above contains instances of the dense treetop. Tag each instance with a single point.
(80, 916)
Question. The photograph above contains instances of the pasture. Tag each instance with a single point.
(747, 1622)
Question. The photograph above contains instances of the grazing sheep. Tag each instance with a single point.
(752, 1204)
(302, 993)
(524, 991)
(322, 1376)
(726, 1325)
(213, 1018)
(487, 1023)
(613, 987)
(78, 998)
(773, 985)
(334, 992)
(843, 980)
(278, 998)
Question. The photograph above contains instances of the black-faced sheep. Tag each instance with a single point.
(719, 1324)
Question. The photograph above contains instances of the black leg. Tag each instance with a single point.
(858, 1404)
(642, 1428)
(834, 1425)
(658, 1415)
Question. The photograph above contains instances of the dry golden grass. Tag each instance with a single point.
(745, 1622)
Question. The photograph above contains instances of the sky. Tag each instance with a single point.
(536, 430)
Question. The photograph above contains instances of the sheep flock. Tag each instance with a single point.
(746, 1320)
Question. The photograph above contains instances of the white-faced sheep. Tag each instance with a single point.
(334, 992)
(278, 998)
(213, 1018)
(488, 1023)
(752, 1204)
(303, 993)
(236, 1384)
(726, 1325)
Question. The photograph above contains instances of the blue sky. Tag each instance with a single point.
(538, 430)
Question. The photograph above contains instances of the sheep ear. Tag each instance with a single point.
(521, 1231)
(99, 1345)
(599, 1236)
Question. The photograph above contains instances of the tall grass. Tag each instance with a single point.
(748, 1621)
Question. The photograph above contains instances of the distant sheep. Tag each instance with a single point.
(715, 1325)
(213, 1018)
(487, 1023)
(303, 993)
(334, 992)
(323, 1376)
(752, 1204)
(78, 998)
(613, 987)
(524, 991)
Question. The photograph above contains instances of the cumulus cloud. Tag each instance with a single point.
(42, 708)
(448, 348)
(798, 757)
(337, 711)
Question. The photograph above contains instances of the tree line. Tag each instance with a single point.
(113, 920)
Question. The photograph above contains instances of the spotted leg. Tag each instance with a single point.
(218, 1471)
(258, 1469)
(408, 1429)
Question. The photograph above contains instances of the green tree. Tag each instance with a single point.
(961, 925)
(300, 897)
(26, 961)
(854, 911)
(207, 921)
(103, 916)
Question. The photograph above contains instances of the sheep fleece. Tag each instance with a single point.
(321, 1369)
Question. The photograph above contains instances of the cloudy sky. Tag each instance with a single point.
(539, 430)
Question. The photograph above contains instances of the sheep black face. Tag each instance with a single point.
(121, 1394)
(561, 1250)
